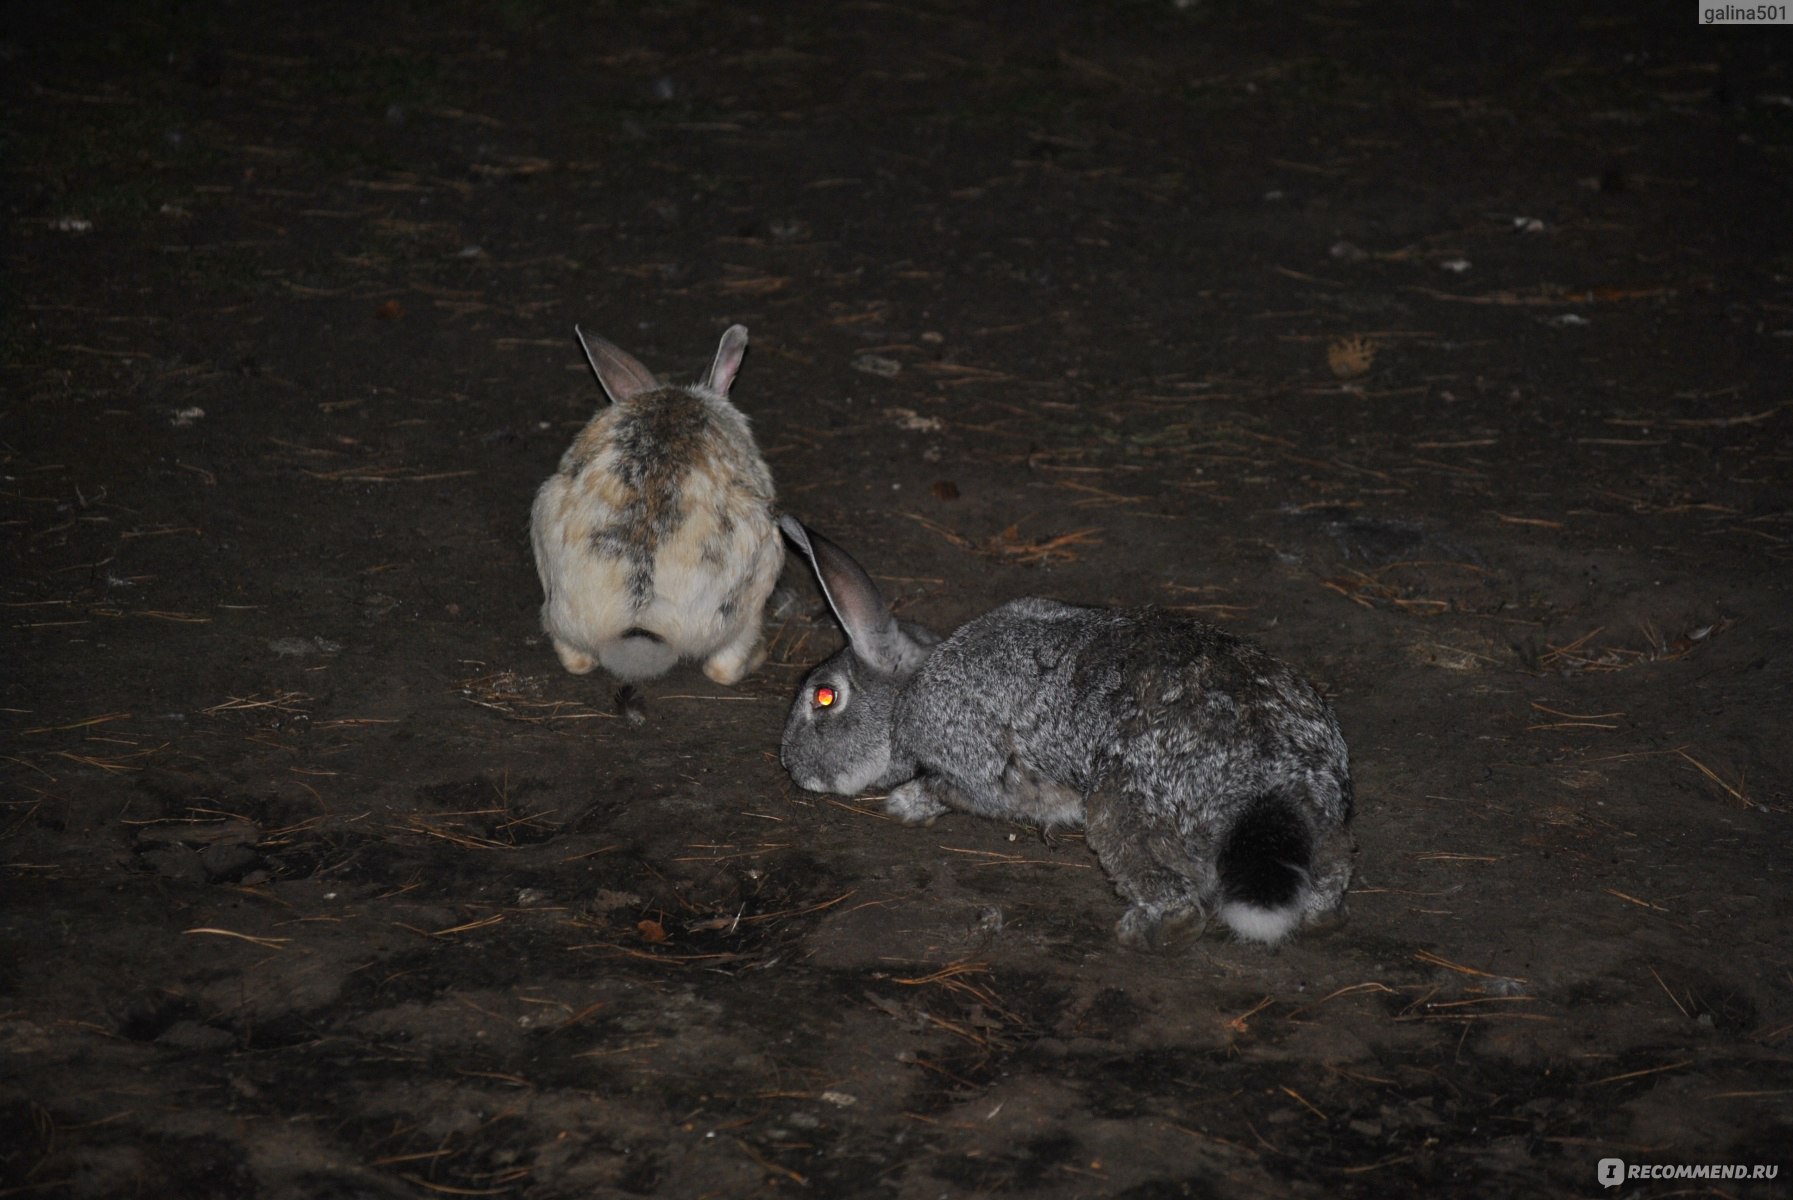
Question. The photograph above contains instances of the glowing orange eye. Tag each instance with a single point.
(824, 697)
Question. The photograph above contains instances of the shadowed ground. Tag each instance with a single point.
(1446, 350)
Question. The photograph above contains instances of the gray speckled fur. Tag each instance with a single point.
(1160, 734)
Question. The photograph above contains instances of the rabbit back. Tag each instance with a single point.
(1226, 788)
(992, 708)
(654, 540)
(1212, 778)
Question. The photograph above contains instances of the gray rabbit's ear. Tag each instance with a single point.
(728, 360)
(873, 631)
(619, 372)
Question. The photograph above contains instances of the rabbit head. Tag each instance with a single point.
(837, 737)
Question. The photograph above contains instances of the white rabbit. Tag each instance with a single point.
(654, 540)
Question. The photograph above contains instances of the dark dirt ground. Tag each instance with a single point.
(322, 880)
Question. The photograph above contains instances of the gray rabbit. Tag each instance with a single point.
(1210, 777)
(654, 539)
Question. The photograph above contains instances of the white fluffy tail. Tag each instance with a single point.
(1263, 866)
(637, 655)
(1256, 924)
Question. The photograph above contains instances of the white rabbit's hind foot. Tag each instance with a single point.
(736, 661)
(578, 662)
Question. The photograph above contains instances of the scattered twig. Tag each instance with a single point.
(1624, 1075)
(1348, 990)
(767, 1164)
(1303, 1101)
(1426, 956)
(271, 943)
(1670, 993)
(1241, 1024)
(102, 719)
(1010, 546)
(1634, 900)
(287, 702)
(1547, 299)
(1736, 793)
(996, 858)
(519, 698)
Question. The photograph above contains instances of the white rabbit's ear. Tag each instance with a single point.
(873, 631)
(621, 375)
(728, 360)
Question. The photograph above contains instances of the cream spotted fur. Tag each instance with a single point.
(654, 540)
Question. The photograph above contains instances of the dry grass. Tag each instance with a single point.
(1396, 585)
(1012, 546)
(519, 698)
(1591, 653)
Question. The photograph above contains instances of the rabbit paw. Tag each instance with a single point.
(1326, 920)
(729, 667)
(914, 804)
(1154, 930)
(576, 661)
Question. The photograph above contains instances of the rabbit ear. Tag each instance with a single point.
(873, 631)
(728, 360)
(620, 374)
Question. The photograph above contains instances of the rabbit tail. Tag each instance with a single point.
(1265, 870)
(638, 654)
